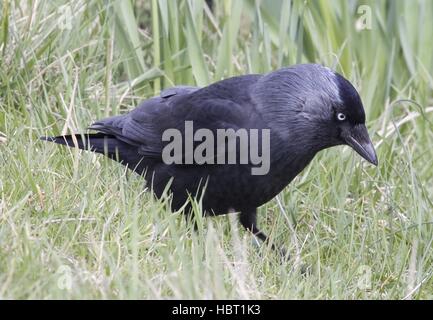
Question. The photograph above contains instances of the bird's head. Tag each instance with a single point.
(317, 107)
(347, 117)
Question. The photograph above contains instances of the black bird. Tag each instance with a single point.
(306, 108)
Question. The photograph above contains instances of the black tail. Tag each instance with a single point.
(97, 142)
(106, 144)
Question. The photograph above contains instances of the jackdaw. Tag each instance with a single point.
(305, 108)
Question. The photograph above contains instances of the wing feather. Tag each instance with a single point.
(212, 109)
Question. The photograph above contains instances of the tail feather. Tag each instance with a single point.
(97, 142)
(106, 144)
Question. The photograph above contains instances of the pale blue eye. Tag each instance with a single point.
(341, 116)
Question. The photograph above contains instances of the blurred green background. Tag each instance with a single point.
(75, 225)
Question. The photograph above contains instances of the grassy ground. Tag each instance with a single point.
(76, 225)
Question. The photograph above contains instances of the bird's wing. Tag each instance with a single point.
(143, 127)
(131, 127)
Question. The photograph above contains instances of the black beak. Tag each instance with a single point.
(357, 137)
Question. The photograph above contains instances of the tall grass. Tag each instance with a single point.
(76, 225)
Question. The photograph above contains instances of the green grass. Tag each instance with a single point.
(76, 225)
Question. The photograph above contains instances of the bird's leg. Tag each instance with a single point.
(189, 217)
(248, 218)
